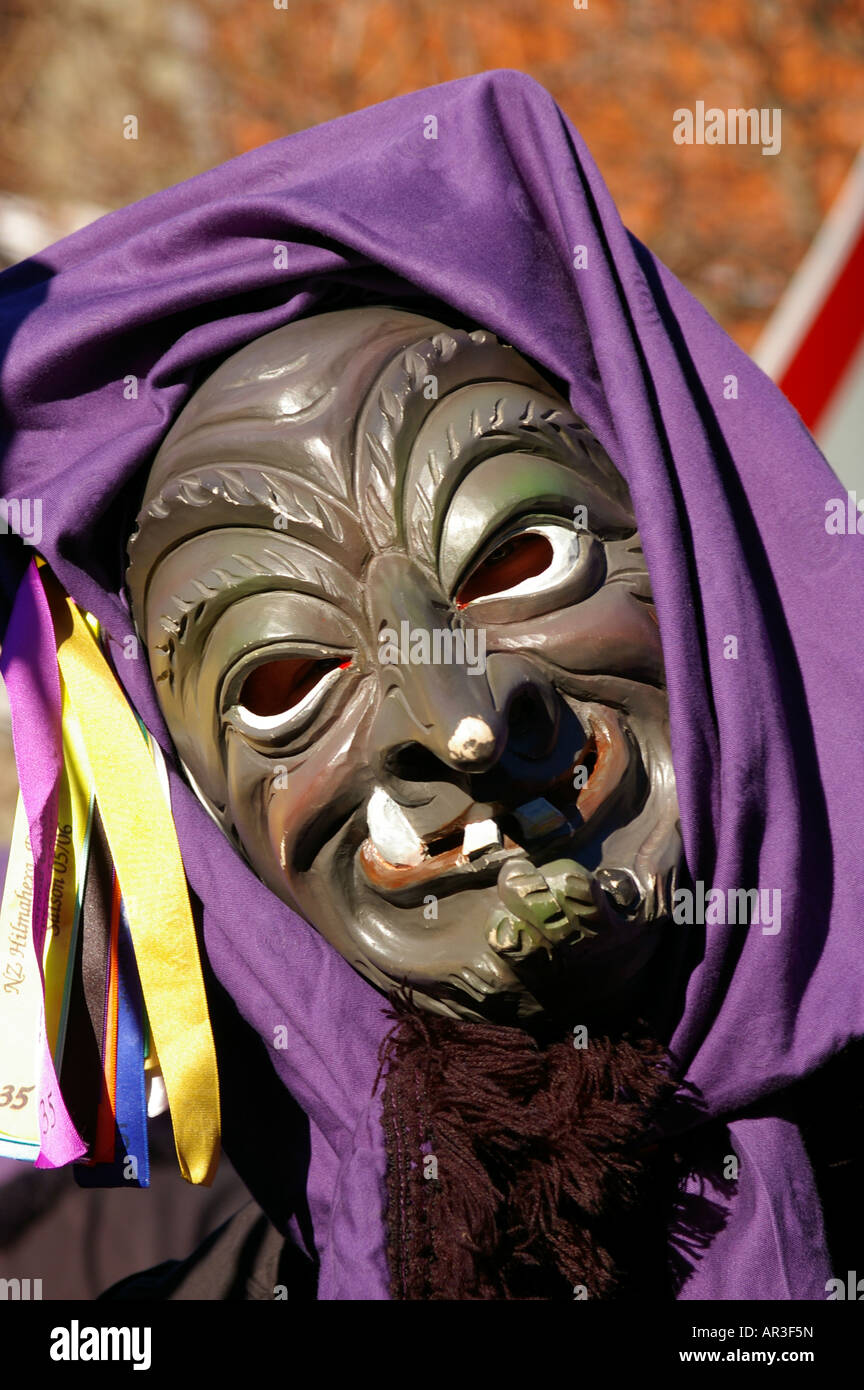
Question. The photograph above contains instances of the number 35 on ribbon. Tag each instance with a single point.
(15, 1100)
(47, 1121)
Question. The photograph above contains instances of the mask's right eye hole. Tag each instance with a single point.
(277, 687)
(517, 560)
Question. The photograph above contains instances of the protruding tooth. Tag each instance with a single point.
(391, 832)
(479, 836)
(539, 819)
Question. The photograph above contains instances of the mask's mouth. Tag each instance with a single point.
(468, 851)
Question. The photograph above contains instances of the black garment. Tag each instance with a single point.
(245, 1259)
(79, 1240)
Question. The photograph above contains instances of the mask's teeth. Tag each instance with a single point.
(539, 819)
(391, 833)
(479, 836)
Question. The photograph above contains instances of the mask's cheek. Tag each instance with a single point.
(613, 633)
(289, 810)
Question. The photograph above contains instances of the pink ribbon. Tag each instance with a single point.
(28, 663)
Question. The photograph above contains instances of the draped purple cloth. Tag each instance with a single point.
(729, 491)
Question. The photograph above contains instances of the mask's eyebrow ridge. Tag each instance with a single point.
(241, 494)
(261, 561)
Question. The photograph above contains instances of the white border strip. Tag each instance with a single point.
(814, 278)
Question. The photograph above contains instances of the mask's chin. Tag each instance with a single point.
(585, 979)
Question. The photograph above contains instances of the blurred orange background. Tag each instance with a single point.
(208, 79)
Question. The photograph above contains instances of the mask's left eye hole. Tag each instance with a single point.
(278, 687)
(519, 559)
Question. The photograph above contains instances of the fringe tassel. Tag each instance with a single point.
(518, 1171)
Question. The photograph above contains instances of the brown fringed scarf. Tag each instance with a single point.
(523, 1171)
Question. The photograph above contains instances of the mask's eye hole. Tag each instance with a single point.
(519, 559)
(277, 687)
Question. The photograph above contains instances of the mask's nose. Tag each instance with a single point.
(459, 710)
(444, 704)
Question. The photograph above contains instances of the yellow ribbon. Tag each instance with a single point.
(74, 817)
(143, 844)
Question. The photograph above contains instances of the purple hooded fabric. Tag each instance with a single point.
(488, 219)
